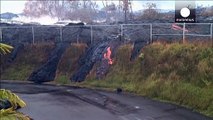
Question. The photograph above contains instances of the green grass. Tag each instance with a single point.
(18, 73)
(62, 79)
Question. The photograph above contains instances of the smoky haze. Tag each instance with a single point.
(90, 11)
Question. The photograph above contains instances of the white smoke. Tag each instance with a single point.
(44, 20)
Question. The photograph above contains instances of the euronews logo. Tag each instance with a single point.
(185, 11)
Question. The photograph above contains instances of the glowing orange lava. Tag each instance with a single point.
(107, 55)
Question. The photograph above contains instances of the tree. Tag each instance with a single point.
(84, 11)
(62, 9)
(207, 11)
(110, 11)
(151, 11)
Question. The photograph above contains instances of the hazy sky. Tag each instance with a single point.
(17, 6)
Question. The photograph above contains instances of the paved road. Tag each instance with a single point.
(50, 102)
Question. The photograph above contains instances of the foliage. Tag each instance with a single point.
(150, 12)
(62, 79)
(63, 9)
(19, 72)
(14, 99)
(16, 102)
(12, 115)
(4, 48)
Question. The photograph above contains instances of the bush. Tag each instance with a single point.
(15, 102)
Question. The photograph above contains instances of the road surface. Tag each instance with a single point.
(52, 102)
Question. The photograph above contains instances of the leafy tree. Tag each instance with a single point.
(151, 11)
(111, 10)
(61, 9)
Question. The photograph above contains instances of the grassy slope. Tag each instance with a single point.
(182, 74)
(30, 58)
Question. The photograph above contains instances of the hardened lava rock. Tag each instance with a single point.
(94, 54)
(47, 71)
(138, 45)
(17, 47)
(87, 61)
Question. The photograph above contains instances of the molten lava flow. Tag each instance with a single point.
(107, 56)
